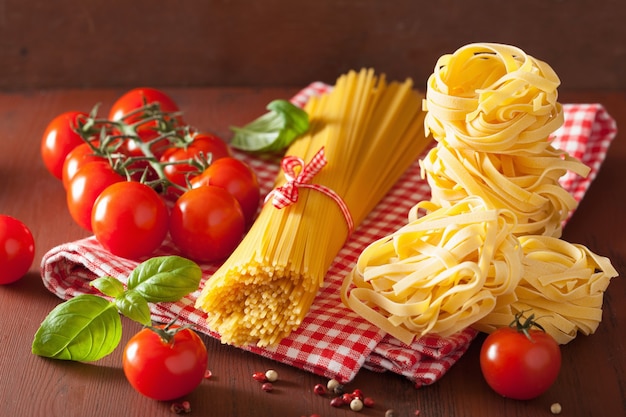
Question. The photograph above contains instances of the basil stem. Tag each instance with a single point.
(273, 131)
(84, 328)
(88, 327)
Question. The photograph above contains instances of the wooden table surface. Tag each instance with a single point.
(593, 376)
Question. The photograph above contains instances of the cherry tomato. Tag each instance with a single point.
(17, 249)
(134, 99)
(59, 139)
(204, 146)
(519, 366)
(130, 219)
(164, 370)
(238, 179)
(145, 134)
(85, 187)
(206, 223)
(79, 156)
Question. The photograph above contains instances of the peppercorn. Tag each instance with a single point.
(267, 387)
(390, 413)
(337, 402)
(319, 389)
(356, 404)
(332, 384)
(556, 408)
(271, 375)
(259, 376)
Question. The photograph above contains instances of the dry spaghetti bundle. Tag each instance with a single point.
(363, 135)
(492, 109)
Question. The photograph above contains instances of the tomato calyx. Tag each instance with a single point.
(168, 332)
(526, 325)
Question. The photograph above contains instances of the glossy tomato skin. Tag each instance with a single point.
(17, 249)
(517, 367)
(130, 219)
(237, 178)
(206, 223)
(134, 99)
(203, 146)
(79, 156)
(165, 371)
(59, 139)
(85, 187)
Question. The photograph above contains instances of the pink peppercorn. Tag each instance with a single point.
(319, 389)
(259, 376)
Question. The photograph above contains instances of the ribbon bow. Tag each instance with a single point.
(287, 194)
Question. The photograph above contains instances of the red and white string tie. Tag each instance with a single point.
(299, 175)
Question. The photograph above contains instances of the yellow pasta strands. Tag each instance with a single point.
(438, 274)
(488, 246)
(371, 131)
(491, 109)
(563, 285)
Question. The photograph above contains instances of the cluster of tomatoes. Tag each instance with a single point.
(143, 173)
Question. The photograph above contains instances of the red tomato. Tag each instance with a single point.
(130, 219)
(17, 249)
(238, 179)
(145, 134)
(79, 156)
(204, 146)
(134, 99)
(206, 223)
(164, 370)
(517, 366)
(59, 139)
(85, 187)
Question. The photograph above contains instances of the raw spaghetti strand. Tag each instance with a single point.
(370, 131)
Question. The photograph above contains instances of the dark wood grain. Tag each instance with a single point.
(95, 43)
(592, 381)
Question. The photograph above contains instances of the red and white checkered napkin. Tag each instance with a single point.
(333, 341)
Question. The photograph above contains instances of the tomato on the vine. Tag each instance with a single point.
(520, 362)
(59, 139)
(207, 223)
(136, 99)
(238, 179)
(165, 370)
(79, 156)
(203, 147)
(17, 249)
(130, 219)
(85, 187)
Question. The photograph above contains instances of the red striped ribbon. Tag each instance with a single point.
(287, 193)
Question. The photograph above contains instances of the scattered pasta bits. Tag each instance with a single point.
(438, 274)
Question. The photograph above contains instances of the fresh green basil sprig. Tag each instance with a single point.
(88, 327)
(273, 131)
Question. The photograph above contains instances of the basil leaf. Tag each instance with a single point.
(134, 306)
(273, 131)
(84, 328)
(165, 278)
(108, 286)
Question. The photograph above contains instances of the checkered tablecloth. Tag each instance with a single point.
(333, 341)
